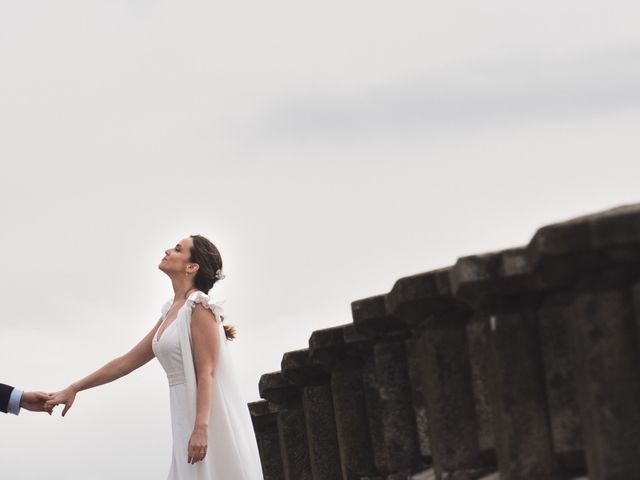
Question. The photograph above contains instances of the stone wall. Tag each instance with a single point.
(518, 364)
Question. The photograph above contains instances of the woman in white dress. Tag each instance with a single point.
(213, 438)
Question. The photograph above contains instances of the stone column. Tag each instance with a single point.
(395, 390)
(608, 379)
(597, 258)
(265, 424)
(342, 351)
(424, 303)
(291, 424)
(503, 287)
(318, 412)
(558, 356)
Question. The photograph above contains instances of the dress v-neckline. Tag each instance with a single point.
(159, 334)
(157, 337)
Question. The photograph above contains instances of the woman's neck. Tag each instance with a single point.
(182, 287)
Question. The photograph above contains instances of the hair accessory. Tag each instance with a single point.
(219, 274)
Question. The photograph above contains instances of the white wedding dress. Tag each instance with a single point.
(232, 453)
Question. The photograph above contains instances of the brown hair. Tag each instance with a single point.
(206, 255)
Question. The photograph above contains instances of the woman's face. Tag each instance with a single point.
(176, 259)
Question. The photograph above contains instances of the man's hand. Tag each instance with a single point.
(35, 401)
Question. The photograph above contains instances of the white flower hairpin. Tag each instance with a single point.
(219, 274)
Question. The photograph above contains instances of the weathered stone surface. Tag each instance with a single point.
(416, 369)
(275, 388)
(264, 418)
(343, 351)
(371, 319)
(374, 415)
(393, 384)
(503, 286)
(525, 358)
(321, 425)
(489, 279)
(439, 351)
(559, 370)
(298, 369)
(319, 420)
(292, 431)
(339, 347)
(453, 426)
(616, 227)
(483, 383)
(564, 251)
(403, 450)
(608, 380)
(416, 300)
(293, 444)
(356, 451)
(523, 437)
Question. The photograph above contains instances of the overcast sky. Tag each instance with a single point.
(327, 149)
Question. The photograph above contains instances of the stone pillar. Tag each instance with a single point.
(597, 260)
(265, 424)
(424, 303)
(342, 351)
(416, 369)
(608, 381)
(291, 424)
(318, 412)
(395, 390)
(503, 287)
(558, 356)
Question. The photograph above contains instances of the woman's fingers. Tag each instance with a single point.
(196, 455)
(54, 399)
(197, 446)
(67, 406)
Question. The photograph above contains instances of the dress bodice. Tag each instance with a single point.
(167, 351)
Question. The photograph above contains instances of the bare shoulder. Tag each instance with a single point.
(202, 314)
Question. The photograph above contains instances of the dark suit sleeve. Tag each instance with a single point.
(5, 393)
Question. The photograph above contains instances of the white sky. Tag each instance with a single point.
(327, 149)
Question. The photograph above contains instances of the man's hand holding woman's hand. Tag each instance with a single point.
(36, 402)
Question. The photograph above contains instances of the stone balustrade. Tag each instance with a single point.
(517, 364)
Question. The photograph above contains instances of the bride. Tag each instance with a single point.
(213, 438)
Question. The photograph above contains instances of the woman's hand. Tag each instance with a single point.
(66, 396)
(197, 444)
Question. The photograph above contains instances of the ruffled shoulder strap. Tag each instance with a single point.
(204, 299)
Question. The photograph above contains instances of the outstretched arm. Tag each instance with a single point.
(116, 368)
(205, 335)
